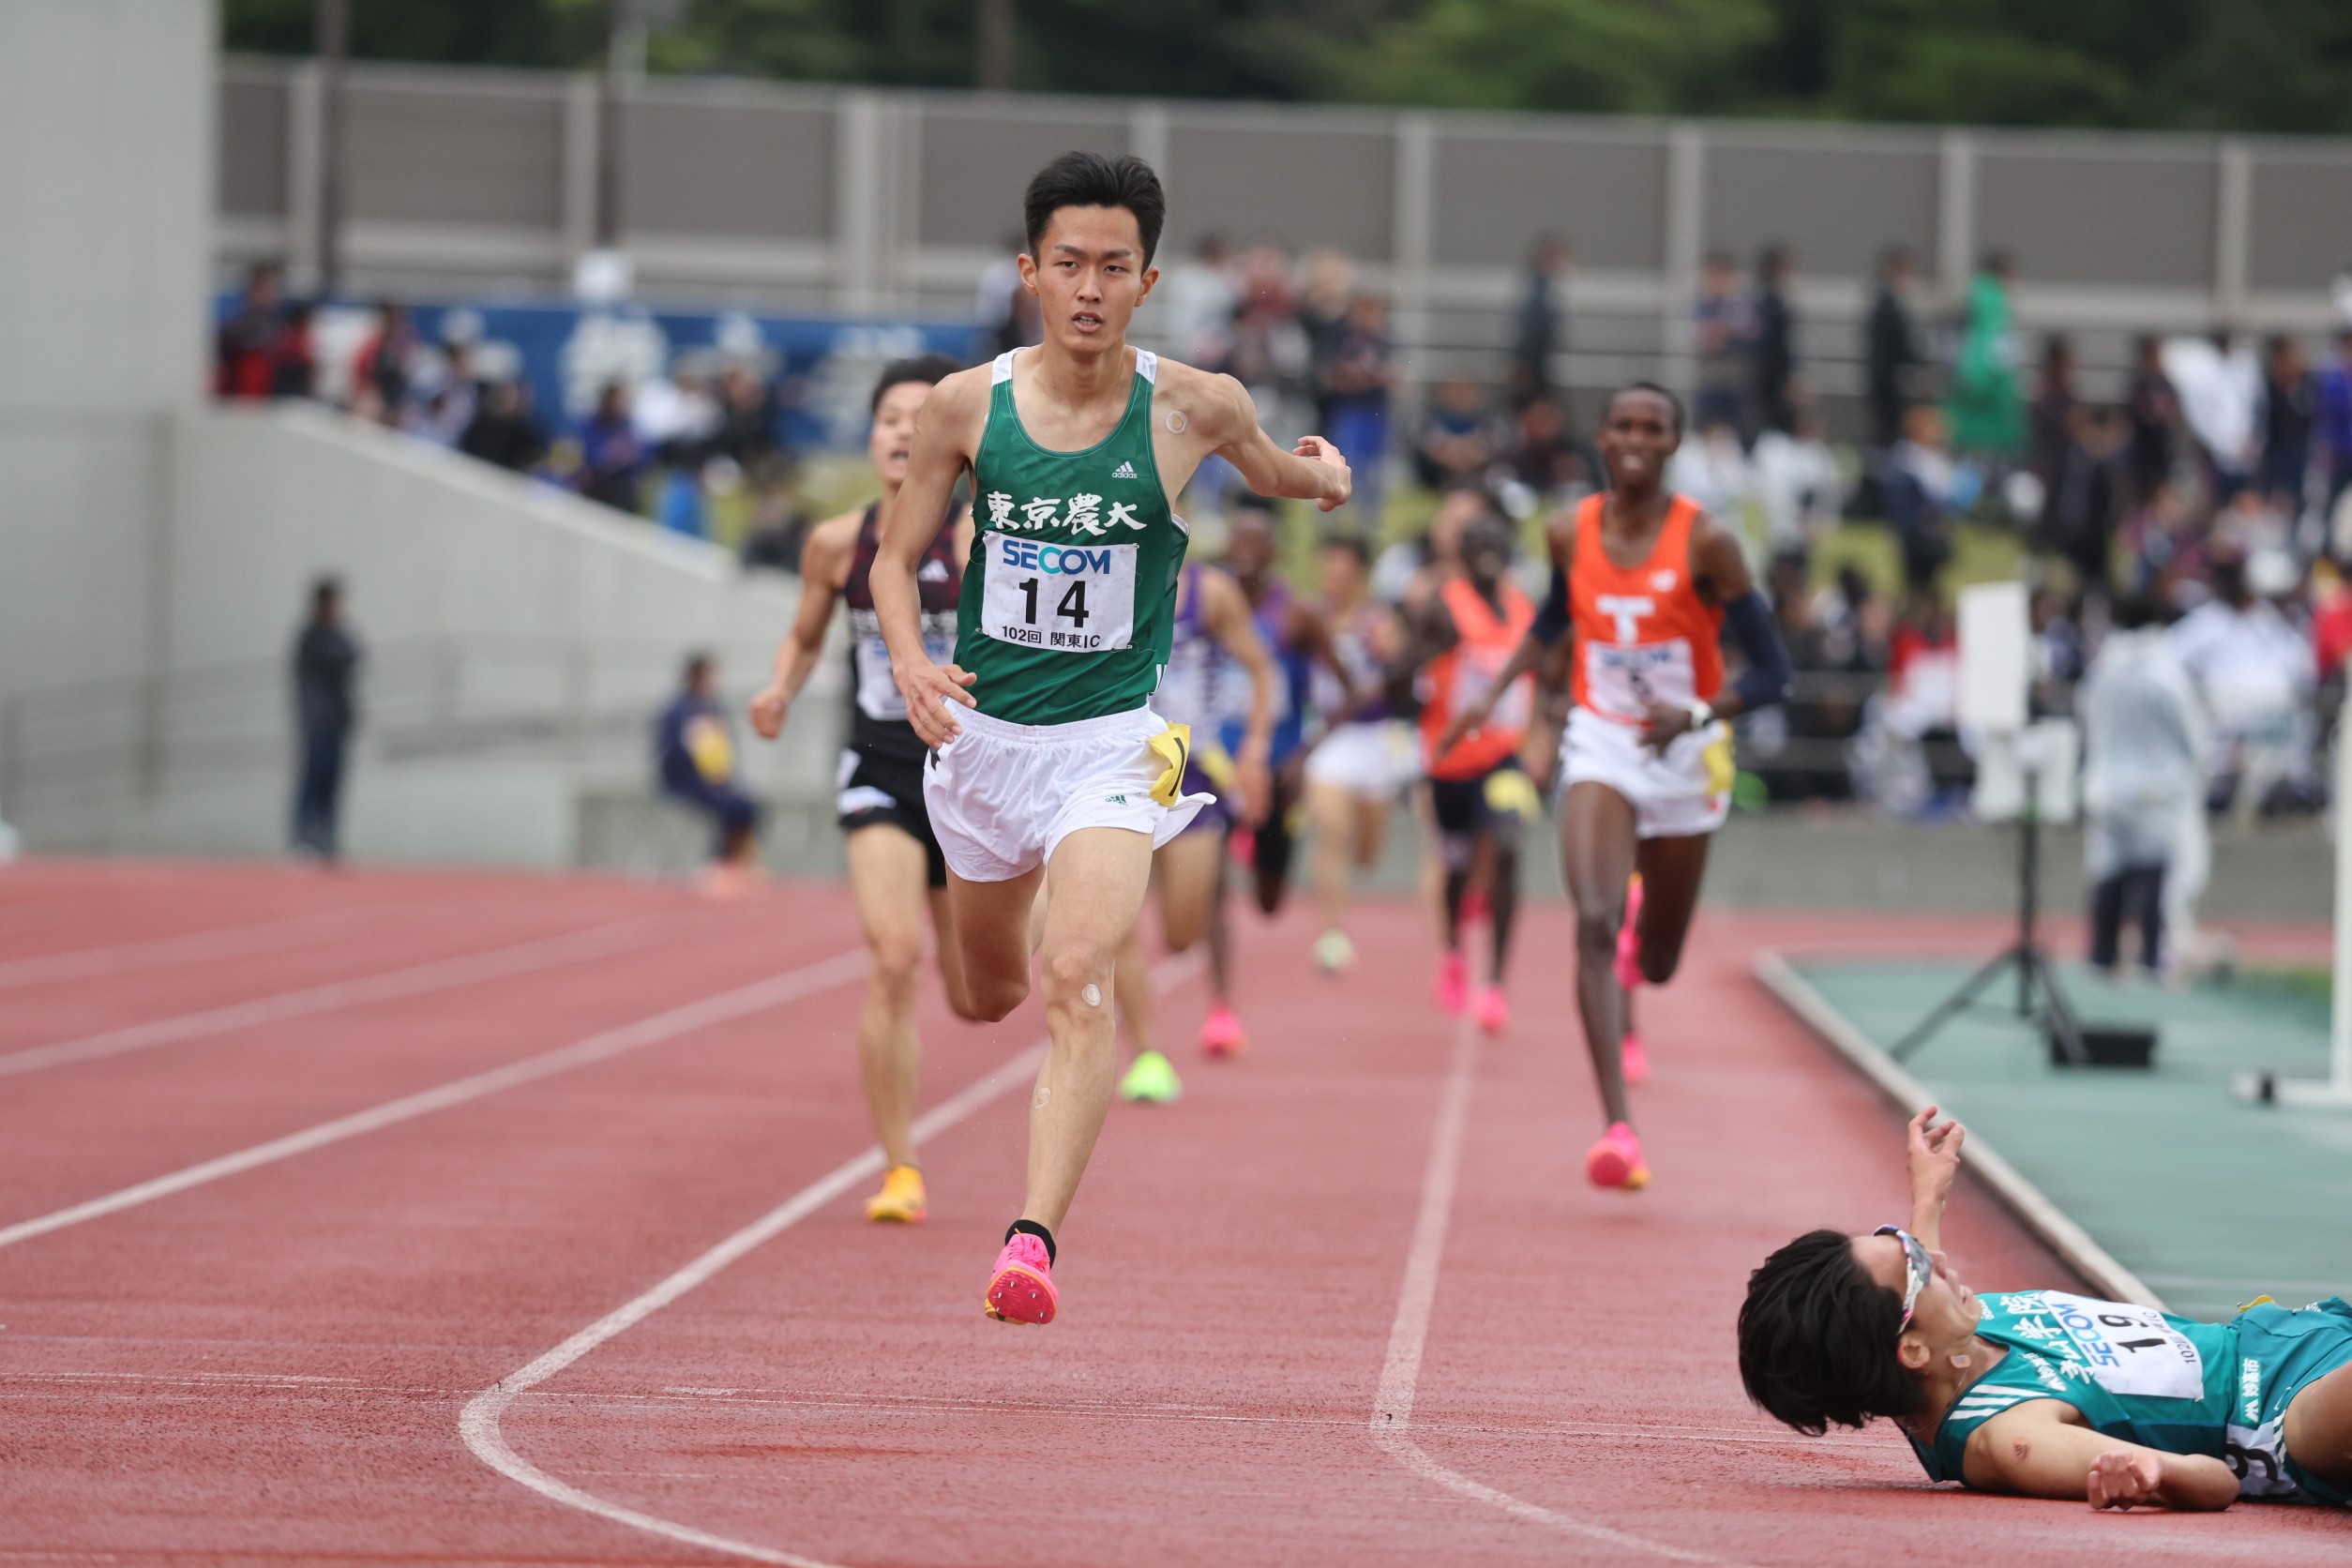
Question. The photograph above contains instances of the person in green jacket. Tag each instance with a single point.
(1988, 415)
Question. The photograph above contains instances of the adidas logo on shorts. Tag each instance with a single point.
(1124, 470)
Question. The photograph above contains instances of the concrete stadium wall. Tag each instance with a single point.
(857, 200)
(537, 607)
(107, 144)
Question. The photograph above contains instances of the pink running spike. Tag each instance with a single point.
(1635, 1060)
(1629, 939)
(1451, 988)
(1492, 1010)
(1221, 1032)
(1021, 1289)
(1615, 1161)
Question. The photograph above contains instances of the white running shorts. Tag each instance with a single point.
(1371, 760)
(1683, 792)
(1004, 796)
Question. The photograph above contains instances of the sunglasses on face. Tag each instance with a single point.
(1919, 1268)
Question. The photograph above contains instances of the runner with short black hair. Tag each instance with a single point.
(1048, 753)
(1647, 580)
(896, 867)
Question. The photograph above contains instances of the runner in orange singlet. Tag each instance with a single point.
(1647, 581)
(1465, 634)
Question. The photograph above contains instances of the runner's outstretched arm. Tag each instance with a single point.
(1720, 568)
(822, 562)
(954, 409)
(2031, 1450)
(1224, 610)
(1312, 471)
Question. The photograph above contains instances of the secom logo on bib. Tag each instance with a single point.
(1067, 598)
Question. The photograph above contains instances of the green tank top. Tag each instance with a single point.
(1070, 595)
(2135, 1373)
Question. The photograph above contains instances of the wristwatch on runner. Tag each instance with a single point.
(1702, 713)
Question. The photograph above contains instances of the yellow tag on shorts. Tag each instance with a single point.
(1172, 745)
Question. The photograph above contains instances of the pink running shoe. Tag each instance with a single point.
(1221, 1031)
(1635, 1059)
(1450, 990)
(1492, 1010)
(1616, 1160)
(1629, 938)
(1021, 1289)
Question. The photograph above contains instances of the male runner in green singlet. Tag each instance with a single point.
(1048, 754)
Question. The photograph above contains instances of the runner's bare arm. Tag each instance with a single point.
(1224, 610)
(1312, 471)
(1540, 756)
(825, 561)
(1719, 570)
(1560, 534)
(2033, 1450)
(945, 431)
(1933, 1160)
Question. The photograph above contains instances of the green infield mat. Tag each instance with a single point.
(2210, 1201)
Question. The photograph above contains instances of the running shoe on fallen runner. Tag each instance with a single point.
(1635, 1059)
(1615, 1161)
(1334, 951)
(1222, 1035)
(1021, 1289)
(1492, 1012)
(1450, 990)
(900, 1200)
(1152, 1078)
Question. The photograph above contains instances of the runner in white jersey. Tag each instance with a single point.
(896, 867)
(1214, 638)
(1049, 752)
(1369, 754)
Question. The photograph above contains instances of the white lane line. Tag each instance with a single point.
(481, 1422)
(1401, 1375)
(441, 974)
(233, 941)
(757, 996)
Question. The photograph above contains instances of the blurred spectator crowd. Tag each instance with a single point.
(2203, 488)
(698, 449)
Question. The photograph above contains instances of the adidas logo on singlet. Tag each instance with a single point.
(1124, 470)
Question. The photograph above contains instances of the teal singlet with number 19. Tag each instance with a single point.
(1075, 558)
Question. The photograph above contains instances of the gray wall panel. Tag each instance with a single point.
(1495, 193)
(1835, 208)
(976, 162)
(1304, 185)
(2302, 219)
(2095, 216)
(252, 160)
(759, 171)
(470, 154)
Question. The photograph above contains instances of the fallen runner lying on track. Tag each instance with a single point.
(2040, 1392)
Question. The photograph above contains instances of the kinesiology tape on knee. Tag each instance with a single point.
(1031, 1227)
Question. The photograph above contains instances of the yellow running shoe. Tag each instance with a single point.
(900, 1200)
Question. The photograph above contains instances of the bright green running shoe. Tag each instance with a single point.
(1334, 951)
(1153, 1078)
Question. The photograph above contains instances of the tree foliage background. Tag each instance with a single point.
(2196, 64)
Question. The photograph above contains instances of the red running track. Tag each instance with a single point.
(1351, 1301)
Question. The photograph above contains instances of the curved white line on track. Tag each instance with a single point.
(480, 1422)
(1401, 1375)
(441, 974)
(189, 947)
(759, 995)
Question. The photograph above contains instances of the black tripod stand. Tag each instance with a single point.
(2034, 970)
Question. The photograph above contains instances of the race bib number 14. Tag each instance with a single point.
(1071, 598)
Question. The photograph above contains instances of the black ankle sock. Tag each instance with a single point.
(1032, 1228)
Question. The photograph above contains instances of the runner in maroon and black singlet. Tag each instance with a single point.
(896, 867)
